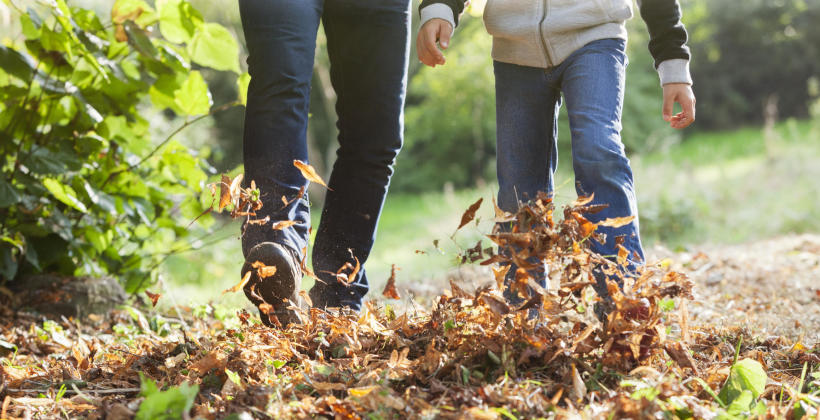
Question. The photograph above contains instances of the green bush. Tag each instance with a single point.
(84, 188)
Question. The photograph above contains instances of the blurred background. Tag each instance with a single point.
(747, 169)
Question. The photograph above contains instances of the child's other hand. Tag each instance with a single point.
(682, 94)
(434, 30)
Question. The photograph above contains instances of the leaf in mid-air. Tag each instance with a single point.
(154, 297)
(283, 224)
(469, 215)
(390, 290)
(239, 285)
(309, 172)
(616, 222)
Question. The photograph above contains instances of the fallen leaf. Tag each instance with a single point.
(390, 288)
(266, 271)
(587, 227)
(309, 172)
(154, 298)
(212, 360)
(224, 192)
(283, 224)
(236, 187)
(361, 392)
(239, 285)
(616, 222)
(469, 215)
(583, 200)
(681, 355)
(622, 254)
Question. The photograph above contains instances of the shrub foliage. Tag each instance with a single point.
(86, 187)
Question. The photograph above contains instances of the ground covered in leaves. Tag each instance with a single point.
(470, 354)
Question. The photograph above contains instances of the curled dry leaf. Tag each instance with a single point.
(469, 215)
(283, 224)
(583, 200)
(390, 291)
(154, 297)
(309, 172)
(616, 222)
(239, 285)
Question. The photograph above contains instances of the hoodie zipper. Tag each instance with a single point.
(541, 35)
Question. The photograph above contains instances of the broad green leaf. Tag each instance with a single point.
(193, 97)
(214, 46)
(233, 376)
(8, 262)
(16, 64)
(64, 193)
(243, 82)
(745, 375)
(178, 20)
(135, 10)
(742, 405)
(31, 30)
(173, 403)
(8, 194)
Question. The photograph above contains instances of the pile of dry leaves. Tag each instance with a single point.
(471, 355)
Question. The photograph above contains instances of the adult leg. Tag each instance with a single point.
(368, 43)
(593, 85)
(281, 40)
(527, 103)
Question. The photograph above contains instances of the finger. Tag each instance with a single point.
(687, 104)
(430, 43)
(445, 32)
(668, 107)
(425, 56)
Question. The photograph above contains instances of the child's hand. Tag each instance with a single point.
(434, 30)
(682, 94)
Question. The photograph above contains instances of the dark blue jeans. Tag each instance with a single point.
(368, 43)
(527, 104)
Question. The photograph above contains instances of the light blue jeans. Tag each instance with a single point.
(527, 104)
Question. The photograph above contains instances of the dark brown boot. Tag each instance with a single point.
(274, 294)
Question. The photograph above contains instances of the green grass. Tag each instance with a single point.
(723, 187)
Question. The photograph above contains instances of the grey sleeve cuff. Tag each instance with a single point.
(675, 70)
(437, 11)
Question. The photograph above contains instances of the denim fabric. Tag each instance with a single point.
(368, 43)
(527, 104)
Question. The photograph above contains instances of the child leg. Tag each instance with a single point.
(593, 85)
(527, 102)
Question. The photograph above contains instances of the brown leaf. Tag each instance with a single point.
(154, 297)
(681, 355)
(266, 271)
(502, 216)
(390, 291)
(213, 360)
(469, 215)
(622, 254)
(583, 201)
(239, 285)
(309, 172)
(283, 224)
(224, 192)
(500, 274)
(496, 304)
(259, 221)
(236, 187)
(616, 222)
(587, 227)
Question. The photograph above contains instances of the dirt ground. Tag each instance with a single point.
(770, 286)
